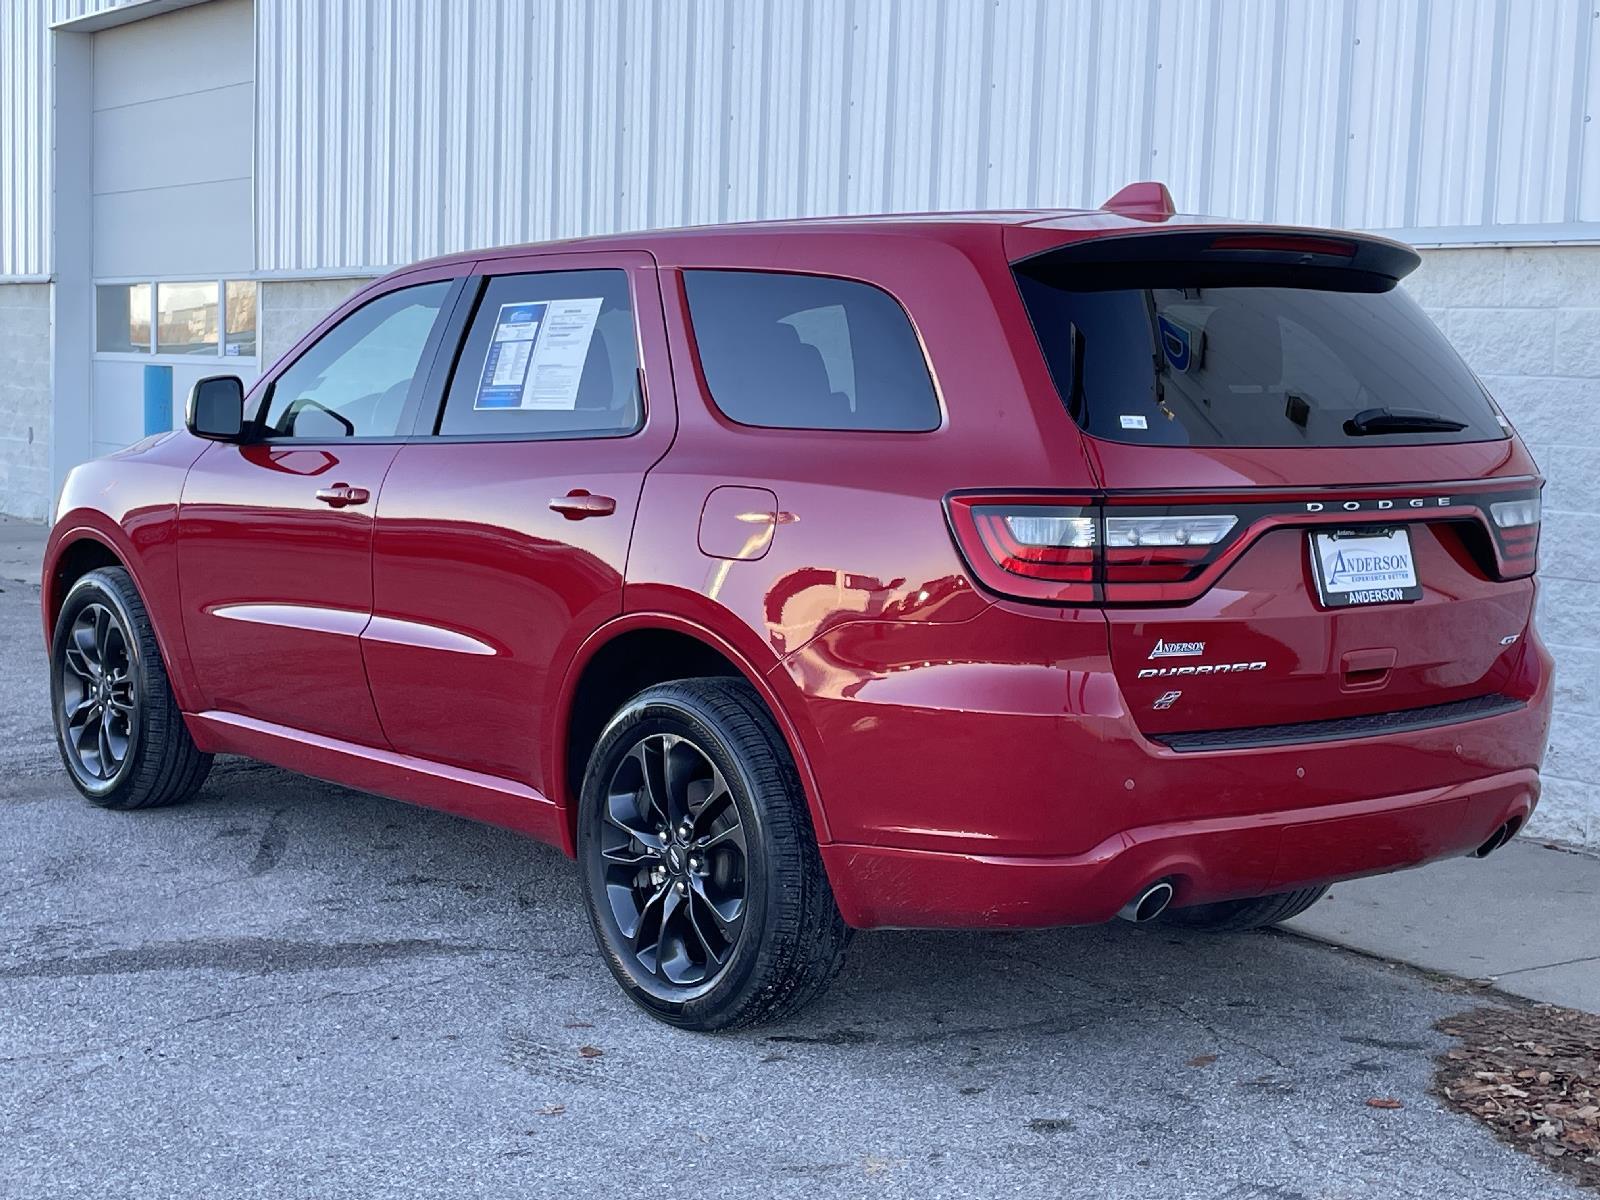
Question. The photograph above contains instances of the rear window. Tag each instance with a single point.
(808, 352)
(1253, 366)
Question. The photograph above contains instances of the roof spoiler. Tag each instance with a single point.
(1228, 255)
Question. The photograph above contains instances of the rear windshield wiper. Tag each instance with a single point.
(1400, 420)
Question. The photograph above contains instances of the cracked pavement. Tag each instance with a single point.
(290, 989)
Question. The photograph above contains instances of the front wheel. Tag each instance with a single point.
(1232, 916)
(699, 865)
(118, 727)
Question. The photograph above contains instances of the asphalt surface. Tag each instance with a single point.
(289, 989)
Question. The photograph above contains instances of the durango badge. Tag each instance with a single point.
(1201, 669)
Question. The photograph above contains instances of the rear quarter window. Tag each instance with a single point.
(1252, 366)
(787, 351)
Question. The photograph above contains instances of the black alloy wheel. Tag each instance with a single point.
(699, 865)
(674, 853)
(97, 712)
(121, 733)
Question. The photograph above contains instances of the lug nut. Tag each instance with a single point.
(683, 888)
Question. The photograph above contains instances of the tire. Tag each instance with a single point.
(1232, 916)
(128, 746)
(731, 922)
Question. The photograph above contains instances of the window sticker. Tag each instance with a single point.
(505, 366)
(1134, 421)
(535, 359)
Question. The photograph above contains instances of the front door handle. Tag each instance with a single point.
(342, 495)
(578, 504)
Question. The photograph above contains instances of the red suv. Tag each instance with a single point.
(989, 569)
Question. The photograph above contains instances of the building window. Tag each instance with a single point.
(122, 318)
(239, 316)
(198, 318)
(186, 318)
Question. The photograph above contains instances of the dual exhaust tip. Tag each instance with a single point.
(1148, 904)
(1153, 900)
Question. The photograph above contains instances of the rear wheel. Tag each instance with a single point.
(1227, 916)
(699, 865)
(118, 727)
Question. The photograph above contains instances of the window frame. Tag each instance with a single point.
(721, 415)
(445, 322)
(430, 415)
(152, 352)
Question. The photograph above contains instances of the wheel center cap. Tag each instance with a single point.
(675, 858)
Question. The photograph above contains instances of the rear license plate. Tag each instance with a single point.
(1364, 566)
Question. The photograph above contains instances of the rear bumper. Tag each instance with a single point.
(1205, 860)
(995, 794)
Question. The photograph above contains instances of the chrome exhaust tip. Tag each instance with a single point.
(1148, 904)
(1498, 838)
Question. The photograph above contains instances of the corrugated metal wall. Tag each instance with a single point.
(392, 129)
(24, 139)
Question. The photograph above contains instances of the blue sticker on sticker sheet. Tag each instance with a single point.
(510, 356)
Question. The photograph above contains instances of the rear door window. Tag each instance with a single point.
(550, 354)
(1253, 366)
(809, 352)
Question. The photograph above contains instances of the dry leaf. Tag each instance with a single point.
(1202, 1060)
(1384, 1102)
(590, 1052)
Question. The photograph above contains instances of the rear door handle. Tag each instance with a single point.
(578, 504)
(342, 495)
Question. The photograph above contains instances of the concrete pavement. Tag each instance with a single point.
(1526, 919)
(21, 549)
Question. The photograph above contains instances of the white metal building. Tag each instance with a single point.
(188, 180)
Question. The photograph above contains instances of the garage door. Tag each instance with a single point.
(173, 228)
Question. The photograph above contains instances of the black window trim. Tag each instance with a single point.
(416, 396)
(720, 414)
(430, 415)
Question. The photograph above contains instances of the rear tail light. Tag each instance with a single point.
(1076, 554)
(1136, 548)
(1515, 514)
(1041, 551)
(1516, 530)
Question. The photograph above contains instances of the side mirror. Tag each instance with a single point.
(216, 408)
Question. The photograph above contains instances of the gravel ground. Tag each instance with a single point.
(290, 989)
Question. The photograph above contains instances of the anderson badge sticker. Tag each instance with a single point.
(535, 359)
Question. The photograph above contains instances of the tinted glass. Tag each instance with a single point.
(1254, 366)
(186, 318)
(122, 318)
(356, 379)
(239, 338)
(808, 352)
(552, 354)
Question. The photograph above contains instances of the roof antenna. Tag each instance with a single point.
(1146, 201)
